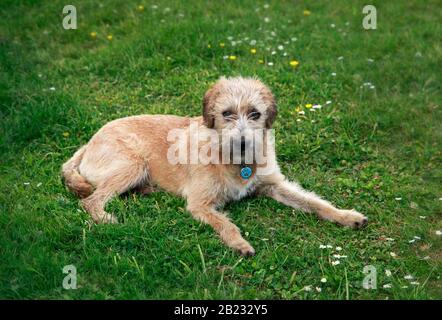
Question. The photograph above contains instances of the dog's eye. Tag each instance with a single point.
(227, 114)
(254, 115)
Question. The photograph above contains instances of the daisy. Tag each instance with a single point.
(318, 289)
(438, 233)
(335, 263)
(408, 277)
(324, 280)
(386, 286)
(252, 42)
(337, 248)
(388, 273)
(307, 288)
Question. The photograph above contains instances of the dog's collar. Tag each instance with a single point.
(246, 171)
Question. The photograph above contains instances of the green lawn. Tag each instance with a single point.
(376, 147)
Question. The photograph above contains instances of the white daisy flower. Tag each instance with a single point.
(52, 88)
(302, 113)
(266, 19)
(423, 217)
(332, 25)
(333, 74)
(324, 280)
(318, 289)
(438, 233)
(340, 58)
(386, 286)
(414, 283)
(398, 199)
(337, 248)
(329, 246)
(307, 288)
(408, 277)
(294, 39)
(280, 47)
(388, 273)
(394, 255)
(328, 102)
(270, 63)
(320, 246)
(273, 52)
(335, 263)
(252, 42)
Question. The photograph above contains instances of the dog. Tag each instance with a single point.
(133, 153)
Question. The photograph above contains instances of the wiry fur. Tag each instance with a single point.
(131, 153)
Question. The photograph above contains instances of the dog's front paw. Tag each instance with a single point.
(245, 249)
(353, 219)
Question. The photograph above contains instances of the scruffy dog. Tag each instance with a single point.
(135, 153)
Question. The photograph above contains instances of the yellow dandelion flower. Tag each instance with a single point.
(209, 46)
(261, 61)
(232, 57)
(308, 105)
(253, 51)
(93, 34)
(306, 12)
(140, 7)
(222, 44)
(298, 109)
(66, 134)
(294, 63)
(109, 37)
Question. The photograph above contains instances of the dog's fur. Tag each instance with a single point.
(130, 153)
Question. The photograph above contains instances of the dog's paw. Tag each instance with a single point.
(353, 219)
(245, 249)
(106, 218)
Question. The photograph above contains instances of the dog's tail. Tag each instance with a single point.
(73, 179)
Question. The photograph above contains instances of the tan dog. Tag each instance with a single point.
(134, 152)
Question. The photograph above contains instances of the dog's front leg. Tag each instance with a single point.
(291, 194)
(228, 231)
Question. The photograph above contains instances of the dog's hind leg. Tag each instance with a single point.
(114, 185)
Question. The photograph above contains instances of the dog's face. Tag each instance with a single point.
(237, 108)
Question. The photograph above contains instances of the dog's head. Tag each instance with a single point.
(238, 107)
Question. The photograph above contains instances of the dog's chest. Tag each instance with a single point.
(238, 189)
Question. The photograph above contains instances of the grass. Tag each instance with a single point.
(366, 149)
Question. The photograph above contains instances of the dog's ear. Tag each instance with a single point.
(209, 104)
(271, 109)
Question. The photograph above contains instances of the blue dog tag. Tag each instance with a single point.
(246, 172)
